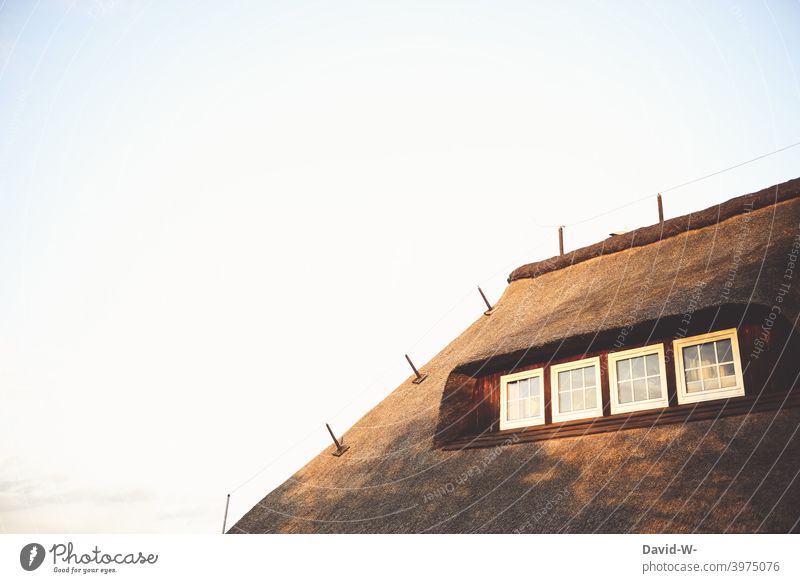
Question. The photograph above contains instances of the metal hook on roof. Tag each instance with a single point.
(340, 446)
(489, 307)
(419, 377)
(225, 518)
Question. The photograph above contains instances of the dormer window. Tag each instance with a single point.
(522, 399)
(708, 367)
(576, 389)
(637, 379)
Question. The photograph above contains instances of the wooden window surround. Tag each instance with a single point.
(576, 389)
(522, 399)
(470, 411)
(708, 367)
(637, 379)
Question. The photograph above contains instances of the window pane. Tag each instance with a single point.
(654, 388)
(727, 381)
(536, 410)
(513, 410)
(724, 351)
(637, 364)
(691, 357)
(525, 408)
(711, 384)
(523, 389)
(639, 390)
(726, 370)
(577, 379)
(652, 365)
(588, 376)
(708, 373)
(577, 401)
(707, 354)
(536, 386)
(692, 375)
(513, 391)
(623, 370)
(563, 381)
(565, 402)
(590, 398)
(625, 392)
(694, 387)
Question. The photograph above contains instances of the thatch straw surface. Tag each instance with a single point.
(735, 473)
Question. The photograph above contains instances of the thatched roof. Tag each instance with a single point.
(641, 276)
(735, 473)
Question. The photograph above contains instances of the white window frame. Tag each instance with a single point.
(528, 421)
(680, 377)
(614, 357)
(585, 413)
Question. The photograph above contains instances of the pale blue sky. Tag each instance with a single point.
(222, 225)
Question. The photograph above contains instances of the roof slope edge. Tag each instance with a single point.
(660, 231)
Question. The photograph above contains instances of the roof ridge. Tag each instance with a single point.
(670, 228)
